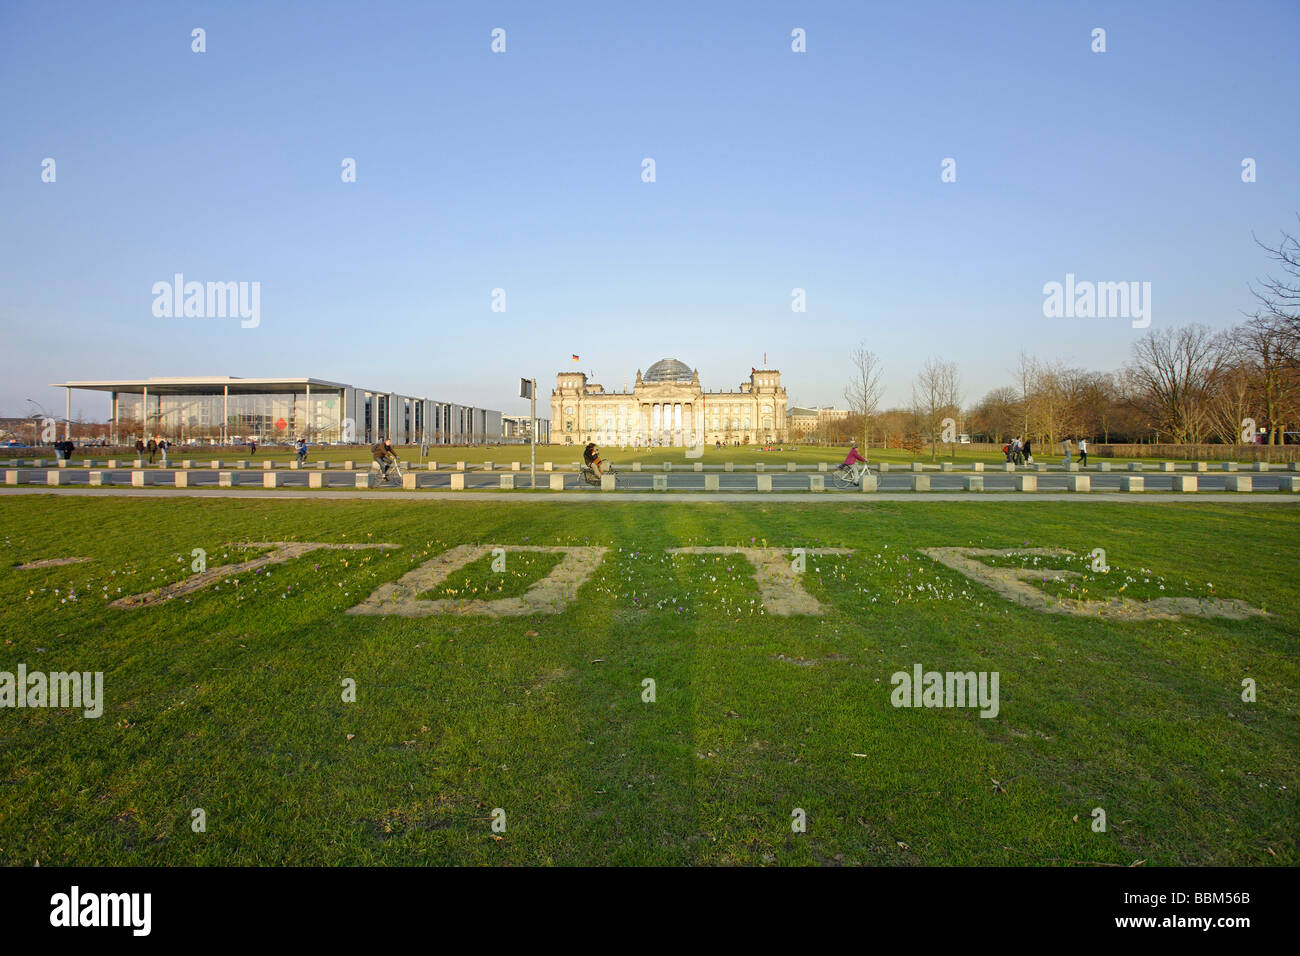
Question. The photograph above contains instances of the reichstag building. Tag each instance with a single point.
(667, 406)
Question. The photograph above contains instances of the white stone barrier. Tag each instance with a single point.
(974, 482)
(606, 482)
(225, 479)
(557, 482)
(1132, 483)
(409, 481)
(458, 481)
(710, 482)
(11, 476)
(508, 482)
(1238, 483)
(1200, 466)
(816, 482)
(1290, 483)
(1260, 466)
(868, 482)
(1184, 483)
(181, 479)
(920, 482)
(137, 479)
(1080, 483)
(53, 477)
(1103, 466)
(659, 482)
(977, 466)
(764, 482)
(96, 478)
(1026, 482)
(270, 480)
(316, 479)
(728, 466)
(364, 479)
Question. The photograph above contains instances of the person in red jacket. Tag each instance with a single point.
(853, 457)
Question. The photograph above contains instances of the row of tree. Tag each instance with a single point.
(1182, 385)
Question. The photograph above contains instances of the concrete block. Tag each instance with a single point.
(138, 463)
(215, 463)
(1135, 466)
(790, 466)
(1200, 466)
(1293, 466)
(816, 482)
(1072, 466)
(431, 466)
(974, 482)
(945, 466)
(868, 482)
(1229, 466)
(1132, 483)
(408, 481)
(760, 467)
(1259, 466)
(764, 482)
(1026, 483)
(1167, 467)
(710, 482)
(181, 479)
(508, 482)
(349, 466)
(659, 482)
(61, 463)
(728, 466)
(977, 466)
(241, 463)
(137, 479)
(668, 466)
(315, 480)
(1290, 483)
(1040, 467)
(1238, 483)
(1078, 483)
(514, 466)
(606, 482)
(636, 466)
(1008, 466)
(1103, 466)
(884, 467)
(821, 466)
(53, 477)
(488, 466)
(917, 467)
(187, 463)
(460, 466)
(364, 479)
(225, 479)
(457, 481)
(557, 482)
(323, 465)
(548, 466)
(1184, 482)
(270, 480)
(11, 476)
(96, 478)
(293, 465)
(112, 463)
(699, 466)
(920, 482)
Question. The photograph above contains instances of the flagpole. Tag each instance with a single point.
(532, 439)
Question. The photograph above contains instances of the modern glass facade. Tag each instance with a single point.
(263, 415)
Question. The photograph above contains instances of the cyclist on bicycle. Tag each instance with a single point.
(853, 457)
(591, 457)
(386, 457)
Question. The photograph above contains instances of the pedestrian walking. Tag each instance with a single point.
(1083, 452)
(1065, 443)
(153, 449)
(1028, 452)
(163, 445)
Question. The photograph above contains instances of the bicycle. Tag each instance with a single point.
(394, 473)
(849, 476)
(588, 474)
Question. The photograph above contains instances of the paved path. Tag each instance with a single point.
(699, 497)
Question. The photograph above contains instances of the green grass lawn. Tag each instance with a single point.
(229, 698)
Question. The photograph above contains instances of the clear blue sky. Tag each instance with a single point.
(523, 171)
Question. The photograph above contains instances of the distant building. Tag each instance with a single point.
(514, 430)
(812, 422)
(222, 409)
(667, 406)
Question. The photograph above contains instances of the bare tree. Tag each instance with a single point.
(1174, 372)
(864, 388)
(1280, 297)
(936, 395)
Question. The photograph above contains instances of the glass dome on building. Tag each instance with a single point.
(668, 370)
